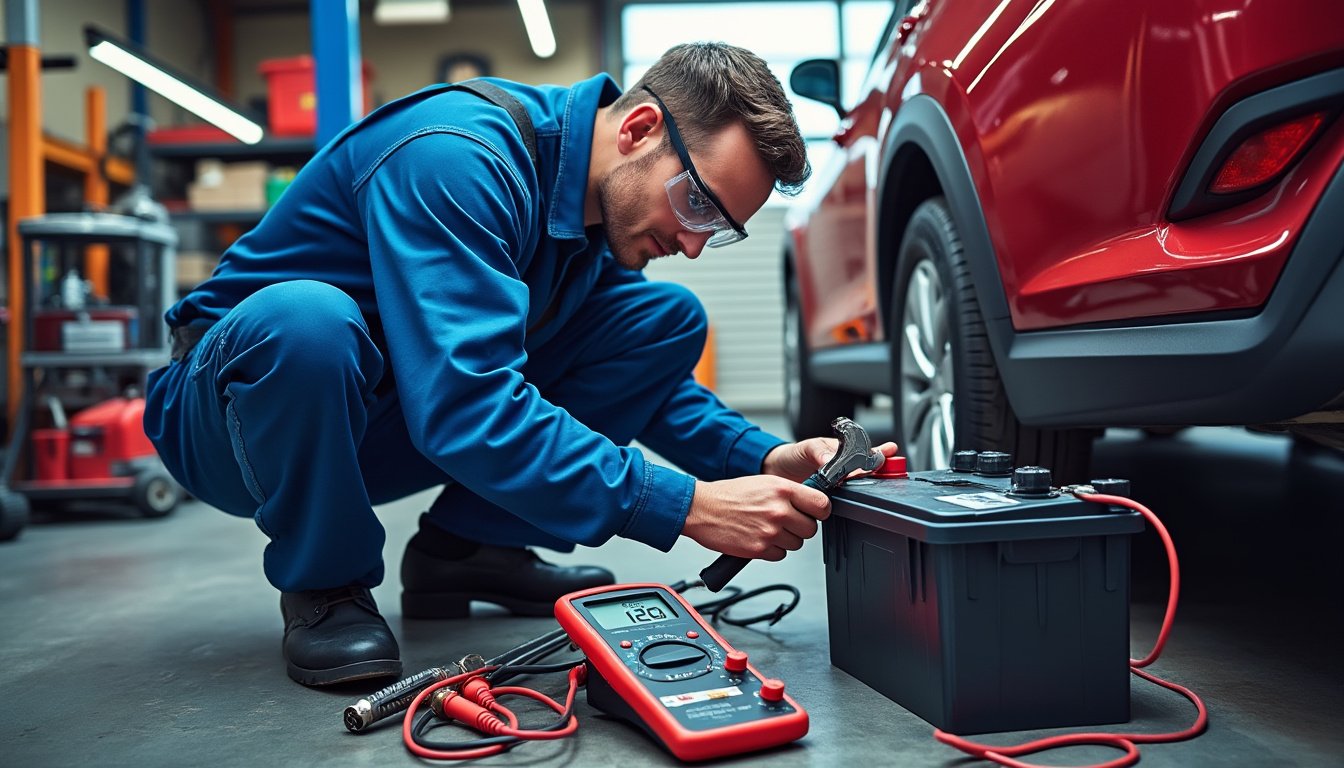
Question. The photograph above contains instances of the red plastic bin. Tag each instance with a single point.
(291, 94)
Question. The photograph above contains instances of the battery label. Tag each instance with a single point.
(682, 699)
(985, 500)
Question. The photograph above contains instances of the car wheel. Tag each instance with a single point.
(14, 513)
(156, 493)
(810, 407)
(947, 390)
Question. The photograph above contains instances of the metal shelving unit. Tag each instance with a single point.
(140, 478)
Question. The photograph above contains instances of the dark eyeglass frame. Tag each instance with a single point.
(685, 156)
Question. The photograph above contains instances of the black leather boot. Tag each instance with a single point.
(336, 636)
(515, 578)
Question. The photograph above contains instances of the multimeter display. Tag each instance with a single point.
(654, 662)
(645, 609)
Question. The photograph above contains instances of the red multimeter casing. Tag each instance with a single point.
(653, 661)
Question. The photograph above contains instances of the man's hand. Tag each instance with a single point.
(759, 517)
(797, 461)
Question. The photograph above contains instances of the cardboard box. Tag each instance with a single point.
(228, 187)
(194, 268)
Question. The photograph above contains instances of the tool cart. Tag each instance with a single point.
(77, 433)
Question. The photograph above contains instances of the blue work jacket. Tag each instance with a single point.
(462, 256)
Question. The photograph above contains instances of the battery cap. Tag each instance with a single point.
(964, 461)
(772, 690)
(1111, 486)
(994, 464)
(894, 466)
(1031, 481)
(736, 661)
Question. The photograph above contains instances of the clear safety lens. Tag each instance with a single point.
(697, 212)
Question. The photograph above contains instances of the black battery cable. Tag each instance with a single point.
(471, 698)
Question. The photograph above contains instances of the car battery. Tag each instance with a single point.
(981, 599)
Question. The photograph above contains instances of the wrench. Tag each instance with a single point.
(855, 452)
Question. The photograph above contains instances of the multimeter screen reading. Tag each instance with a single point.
(631, 612)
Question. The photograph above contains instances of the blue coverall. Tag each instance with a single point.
(424, 306)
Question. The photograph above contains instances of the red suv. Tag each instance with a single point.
(1050, 217)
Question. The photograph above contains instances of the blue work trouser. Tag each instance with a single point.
(277, 415)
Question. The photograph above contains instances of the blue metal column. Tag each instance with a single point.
(135, 30)
(340, 86)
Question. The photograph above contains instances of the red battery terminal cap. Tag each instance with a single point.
(736, 661)
(893, 467)
(772, 690)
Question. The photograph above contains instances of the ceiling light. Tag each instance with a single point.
(538, 27)
(411, 12)
(172, 85)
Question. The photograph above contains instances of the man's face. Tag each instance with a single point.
(637, 213)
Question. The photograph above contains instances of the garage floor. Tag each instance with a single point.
(157, 643)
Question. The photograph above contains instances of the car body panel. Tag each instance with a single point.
(1059, 132)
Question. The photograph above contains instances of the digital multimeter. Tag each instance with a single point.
(654, 662)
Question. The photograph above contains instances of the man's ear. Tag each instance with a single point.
(641, 126)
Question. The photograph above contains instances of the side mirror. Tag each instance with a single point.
(819, 80)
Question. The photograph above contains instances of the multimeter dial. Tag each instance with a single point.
(668, 657)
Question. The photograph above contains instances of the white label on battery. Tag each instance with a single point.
(682, 699)
(980, 500)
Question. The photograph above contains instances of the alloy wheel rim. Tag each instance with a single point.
(926, 379)
(793, 384)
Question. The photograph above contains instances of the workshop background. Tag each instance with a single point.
(135, 635)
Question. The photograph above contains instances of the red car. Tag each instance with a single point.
(1046, 218)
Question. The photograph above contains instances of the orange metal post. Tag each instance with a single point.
(707, 370)
(95, 183)
(27, 191)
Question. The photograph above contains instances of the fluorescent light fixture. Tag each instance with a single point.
(173, 86)
(411, 12)
(538, 27)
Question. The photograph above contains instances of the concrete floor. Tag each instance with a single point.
(157, 643)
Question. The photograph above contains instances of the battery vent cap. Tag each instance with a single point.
(964, 461)
(1031, 481)
(994, 464)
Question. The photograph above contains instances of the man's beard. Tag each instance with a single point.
(620, 185)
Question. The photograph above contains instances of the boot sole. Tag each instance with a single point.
(457, 605)
(362, 670)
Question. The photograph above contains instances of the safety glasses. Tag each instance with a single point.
(696, 207)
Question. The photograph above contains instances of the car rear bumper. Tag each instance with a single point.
(1284, 361)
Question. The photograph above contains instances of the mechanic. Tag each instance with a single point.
(451, 294)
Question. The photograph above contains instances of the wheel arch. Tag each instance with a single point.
(922, 158)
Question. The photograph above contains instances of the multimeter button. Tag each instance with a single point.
(692, 634)
(736, 662)
(772, 690)
(666, 655)
(626, 644)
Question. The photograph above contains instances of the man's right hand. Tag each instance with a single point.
(760, 517)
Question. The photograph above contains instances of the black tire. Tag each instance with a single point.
(946, 390)
(14, 513)
(156, 493)
(809, 406)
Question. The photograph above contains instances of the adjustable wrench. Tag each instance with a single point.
(855, 452)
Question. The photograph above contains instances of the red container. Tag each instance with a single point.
(51, 455)
(103, 329)
(291, 95)
(111, 431)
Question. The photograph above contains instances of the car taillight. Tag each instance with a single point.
(1266, 154)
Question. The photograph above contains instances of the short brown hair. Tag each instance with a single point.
(707, 86)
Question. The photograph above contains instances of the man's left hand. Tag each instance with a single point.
(798, 461)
